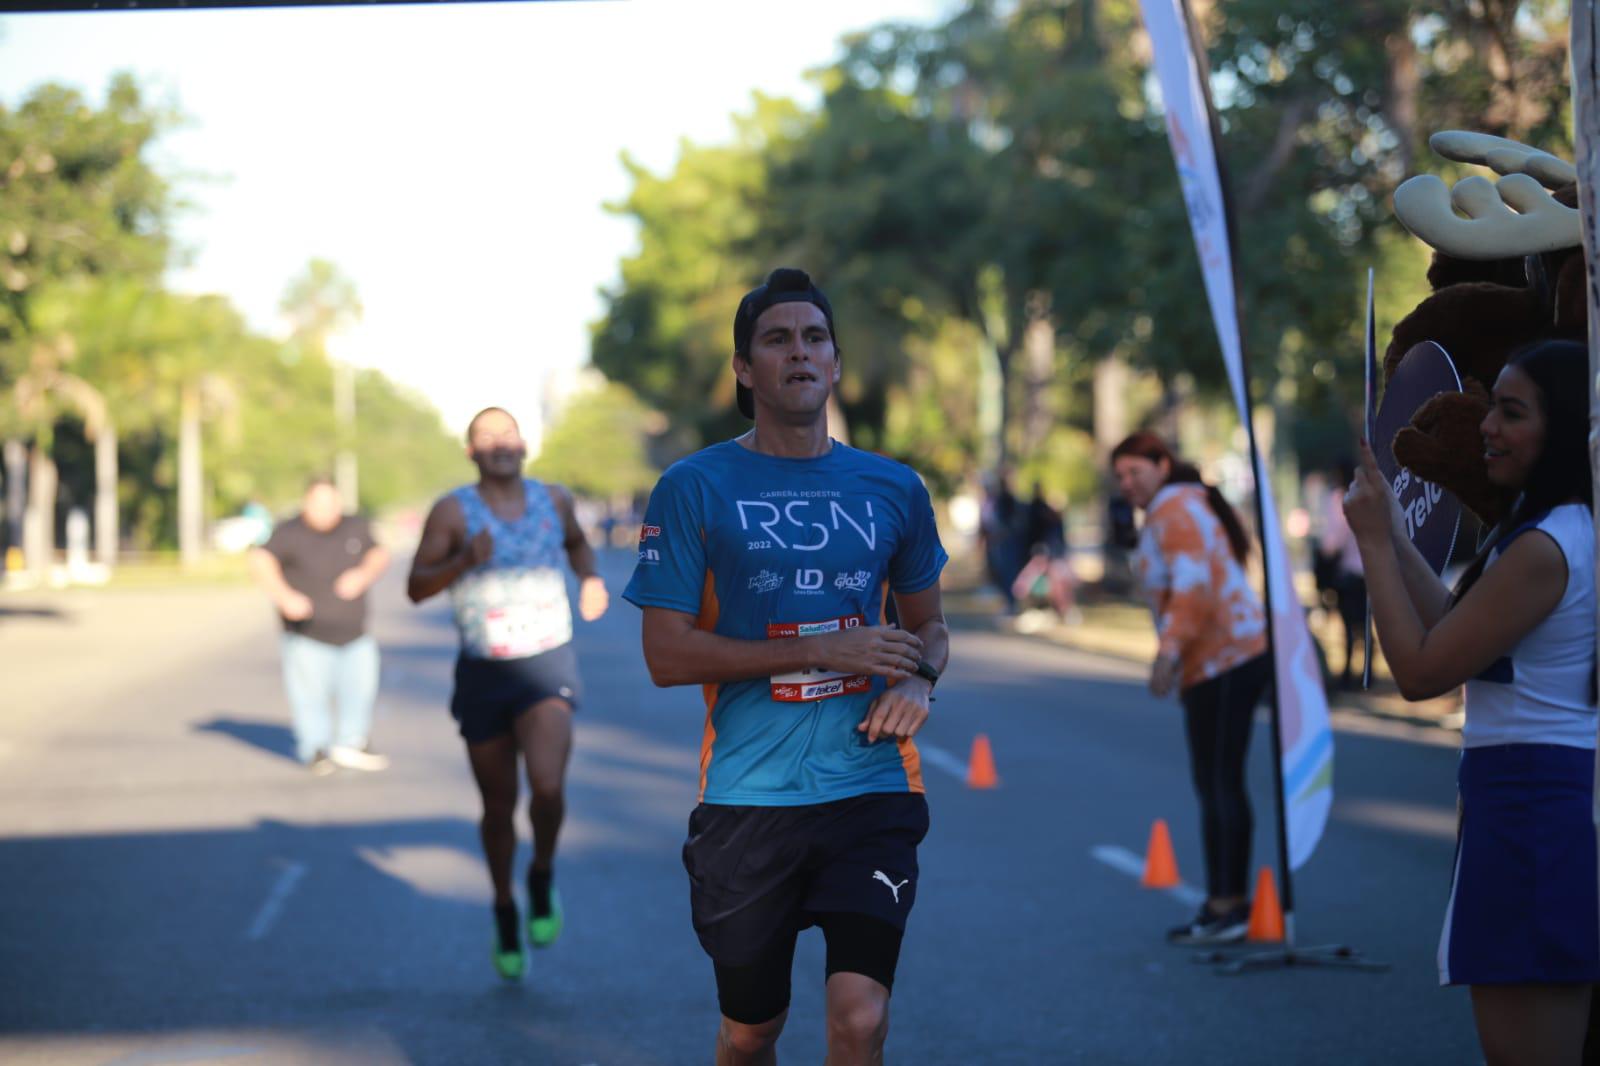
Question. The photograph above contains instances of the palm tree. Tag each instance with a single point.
(43, 393)
(318, 304)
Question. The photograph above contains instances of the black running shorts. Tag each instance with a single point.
(758, 873)
(491, 693)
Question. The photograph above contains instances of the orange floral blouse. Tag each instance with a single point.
(1205, 610)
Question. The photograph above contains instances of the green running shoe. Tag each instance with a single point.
(509, 961)
(542, 932)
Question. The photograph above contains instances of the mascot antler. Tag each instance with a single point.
(1515, 216)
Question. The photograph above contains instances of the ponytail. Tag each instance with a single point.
(1238, 539)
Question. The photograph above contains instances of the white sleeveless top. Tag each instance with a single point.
(1542, 692)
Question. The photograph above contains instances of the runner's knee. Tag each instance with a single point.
(546, 796)
(858, 1020)
(499, 805)
(749, 1039)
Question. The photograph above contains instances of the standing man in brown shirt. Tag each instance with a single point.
(317, 568)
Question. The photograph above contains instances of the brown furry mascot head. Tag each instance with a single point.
(1509, 273)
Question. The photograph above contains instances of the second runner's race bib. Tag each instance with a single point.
(807, 685)
(513, 614)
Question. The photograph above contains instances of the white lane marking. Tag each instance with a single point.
(943, 760)
(272, 906)
(1125, 861)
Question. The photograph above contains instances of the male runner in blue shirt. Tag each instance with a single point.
(765, 565)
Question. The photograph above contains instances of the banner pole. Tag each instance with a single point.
(1370, 358)
(1258, 468)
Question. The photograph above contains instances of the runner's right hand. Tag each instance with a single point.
(295, 606)
(478, 550)
(885, 651)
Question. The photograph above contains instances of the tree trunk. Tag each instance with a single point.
(1039, 374)
(105, 496)
(190, 477)
(16, 459)
(1404, 85)
(1003, 358)
(344, 414)
(1111, 381)
(39, 523)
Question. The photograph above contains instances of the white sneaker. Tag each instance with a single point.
(358, 758)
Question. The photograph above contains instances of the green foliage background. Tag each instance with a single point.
(1007, 171)
(85, 236)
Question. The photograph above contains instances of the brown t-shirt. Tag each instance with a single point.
(311, 562)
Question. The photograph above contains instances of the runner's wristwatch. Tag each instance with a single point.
(926, 671)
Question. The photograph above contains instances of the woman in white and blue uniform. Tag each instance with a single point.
(1522, 927)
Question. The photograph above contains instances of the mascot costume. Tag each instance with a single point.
(1511, 272)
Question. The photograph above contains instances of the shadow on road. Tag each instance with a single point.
(267, 736)
(50, 613)
(352, 942)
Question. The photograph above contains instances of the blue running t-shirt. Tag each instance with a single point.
(759, 547)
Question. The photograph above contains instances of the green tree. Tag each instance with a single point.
(667, 329)
(320, 303)
(78, 198)
(600, 447)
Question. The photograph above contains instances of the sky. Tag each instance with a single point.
(453, 161)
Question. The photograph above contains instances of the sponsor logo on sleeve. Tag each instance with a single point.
(649, 556)
(646, 532)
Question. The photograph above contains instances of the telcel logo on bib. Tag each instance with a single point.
(807, 685)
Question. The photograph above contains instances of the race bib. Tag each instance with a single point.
(513, 614)
(520, 631)
(806, 685)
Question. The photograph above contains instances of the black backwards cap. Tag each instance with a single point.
(783, 286)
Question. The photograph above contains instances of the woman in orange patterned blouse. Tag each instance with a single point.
(1213, 648)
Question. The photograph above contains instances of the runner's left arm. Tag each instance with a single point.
(902, 708)
(914, 578)
(593, 599)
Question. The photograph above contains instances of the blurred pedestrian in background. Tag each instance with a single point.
(1339, 570)
(1004, 528)
(1213, 649)
(317, 568)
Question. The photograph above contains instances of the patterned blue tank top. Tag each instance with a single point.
(515, 605)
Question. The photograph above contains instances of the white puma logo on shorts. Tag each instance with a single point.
(879, 875)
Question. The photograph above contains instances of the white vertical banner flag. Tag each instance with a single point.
(1306, 737)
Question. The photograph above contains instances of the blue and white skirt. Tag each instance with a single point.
(1524, 906)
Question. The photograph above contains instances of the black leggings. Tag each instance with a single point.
(1218, 716)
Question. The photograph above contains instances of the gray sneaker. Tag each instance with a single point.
(321, 765)
(1208, 927)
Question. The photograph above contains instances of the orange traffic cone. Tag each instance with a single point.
(1266, 914)
(980, 768)
(1160, 864)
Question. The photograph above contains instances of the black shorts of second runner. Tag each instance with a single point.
(491, 693)
(758, 873)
